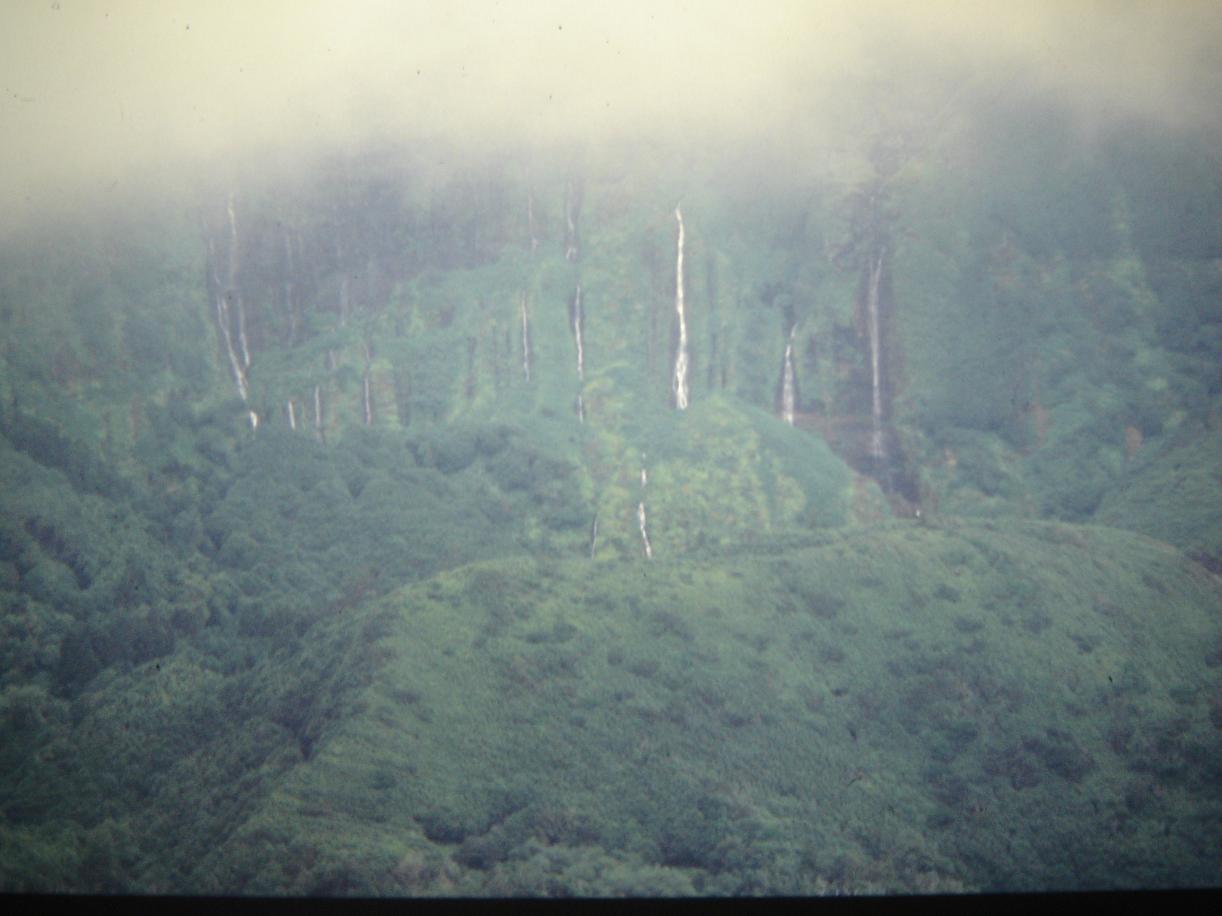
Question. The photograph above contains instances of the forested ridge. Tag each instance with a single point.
(538, 524)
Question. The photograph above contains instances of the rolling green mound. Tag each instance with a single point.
(970, 706)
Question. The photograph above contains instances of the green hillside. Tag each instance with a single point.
(905, 708)
(554, 522)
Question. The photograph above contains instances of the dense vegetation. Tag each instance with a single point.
(402, 637)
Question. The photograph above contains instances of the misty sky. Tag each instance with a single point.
(99, 95)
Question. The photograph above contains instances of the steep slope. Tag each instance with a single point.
(986, 316)
(418, 523)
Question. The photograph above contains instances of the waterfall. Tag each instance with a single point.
(576, 317)
(525, 339)
(233, 243)
(787, 380)
(225, 293)
(594, 536)
(292, 411)
(640, 512)
(233, 285)
(365, 386)
(679, 383)
(319, 433)
(235, 365)
(572, 204)
(242, 333)
(876, 404)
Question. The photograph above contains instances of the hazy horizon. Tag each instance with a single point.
(100, 99)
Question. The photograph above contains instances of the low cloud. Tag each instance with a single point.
(98, 98)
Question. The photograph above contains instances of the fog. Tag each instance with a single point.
(98, 99)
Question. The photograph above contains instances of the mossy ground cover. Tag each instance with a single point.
(903, 708)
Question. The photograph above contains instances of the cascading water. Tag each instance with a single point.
(679, 381)
(576, 319)
(578, 316)
(525, 338)
(594, 536)
(242, 334)
(235, 364)
(292, 412)
(222, 319)
(787, 380)
(319, 431)
(876, 402)
(366, 388)
(640, 513)
(233, 285)
(873, 446)
(224, 294)
(572, 205)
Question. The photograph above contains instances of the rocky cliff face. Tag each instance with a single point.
(990, 321)
(929, 302)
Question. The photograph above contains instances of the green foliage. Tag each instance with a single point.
(812, 719)
(420, 652)
(42, 441)
(1171, 493)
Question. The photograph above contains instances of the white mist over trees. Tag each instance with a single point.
(402, 493)
(101, 103)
